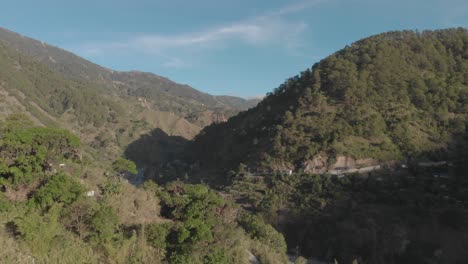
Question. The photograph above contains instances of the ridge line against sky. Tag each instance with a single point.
(243, 48)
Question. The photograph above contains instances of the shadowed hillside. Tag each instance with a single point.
(155, 148)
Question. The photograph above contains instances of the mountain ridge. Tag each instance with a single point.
(75, 67)
(390, 96)
(108, 109)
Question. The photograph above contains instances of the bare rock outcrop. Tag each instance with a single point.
(349, 162)
(317, 165)
(321, 164)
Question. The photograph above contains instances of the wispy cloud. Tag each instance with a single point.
(274, 27)
(257, 32)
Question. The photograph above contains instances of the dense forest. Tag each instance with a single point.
(408, 215)
(391, 97)
(398, 99)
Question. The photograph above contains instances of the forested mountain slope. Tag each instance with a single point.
(397, 98)
(392, 96)
(135, 83)
(108, 109)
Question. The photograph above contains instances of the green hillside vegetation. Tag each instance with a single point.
(108, 109)
(105, 121)
(397, 96)
(393, 96)
(177, 98)
(26, 151)
(168, 95)
(75, 139)
(403, 216)
(46, 217)
(52, 93)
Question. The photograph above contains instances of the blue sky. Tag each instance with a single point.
(238, 47)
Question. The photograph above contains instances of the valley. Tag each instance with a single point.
(361, 158)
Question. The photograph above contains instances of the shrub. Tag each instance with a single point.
(112, 187)
(60, 188)
(156, 234)
(5, 205)
(38, 231)
(265, 233)
(105, 223)
(78, 216)
(123, 166)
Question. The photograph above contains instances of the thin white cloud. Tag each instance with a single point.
(270, 28)
(274, 28)
(260, 31)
